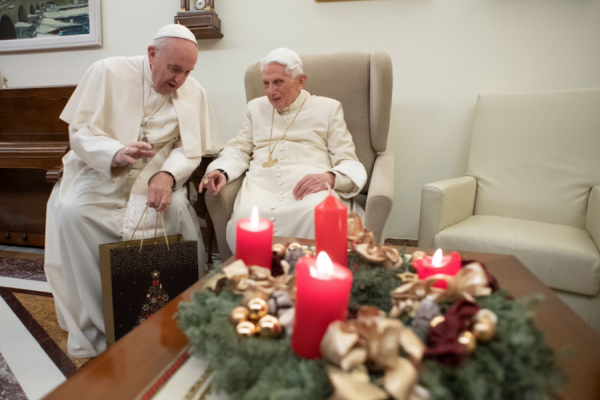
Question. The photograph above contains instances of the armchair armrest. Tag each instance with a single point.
(380, 197)
(592, 219)
(220, 208)
(443, 204)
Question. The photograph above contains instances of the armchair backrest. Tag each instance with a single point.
(536, 156)
(362, 82)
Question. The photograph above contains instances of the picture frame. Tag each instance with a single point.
(27, 25)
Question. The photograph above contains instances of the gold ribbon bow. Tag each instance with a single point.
(387, 256)
(375, 340)
(469, 283)
(356, 232)
(363, 241)
(254, 281)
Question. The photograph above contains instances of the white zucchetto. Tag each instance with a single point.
(285, 57)
(176, 31)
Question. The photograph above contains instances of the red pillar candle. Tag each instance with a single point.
(322, 294)
(438, 264)
(254, 240)
(331, 229)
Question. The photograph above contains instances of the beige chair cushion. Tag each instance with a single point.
(563, 257)
(536, 155)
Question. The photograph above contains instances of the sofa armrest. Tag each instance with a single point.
(220, 208)
(443, 204)
(380, 197)
(592, 219)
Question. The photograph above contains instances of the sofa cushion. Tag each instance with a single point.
(563, 257)
(535, 155)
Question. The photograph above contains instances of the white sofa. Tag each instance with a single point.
(532, 189)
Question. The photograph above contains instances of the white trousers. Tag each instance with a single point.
(84, 211)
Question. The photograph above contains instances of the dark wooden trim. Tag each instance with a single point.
(22, 239)
(204, 24)
(54, 174)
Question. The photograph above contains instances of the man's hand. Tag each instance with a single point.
(133, 152)
(160, 191)
(313, 183)
(214, 181)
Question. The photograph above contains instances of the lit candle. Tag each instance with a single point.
(254, 240)
(331, 229)
(322, 294)
(438, 264)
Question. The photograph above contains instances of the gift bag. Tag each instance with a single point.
(139, 277)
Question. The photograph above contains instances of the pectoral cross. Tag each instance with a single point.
(270, 162)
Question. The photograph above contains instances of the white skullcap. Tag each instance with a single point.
(285, 57)
(176, 31)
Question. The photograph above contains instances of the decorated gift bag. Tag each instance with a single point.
(139, 277)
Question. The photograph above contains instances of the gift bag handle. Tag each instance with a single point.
(155, 228)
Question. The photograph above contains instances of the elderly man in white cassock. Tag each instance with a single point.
(138, 128)
(292, 146)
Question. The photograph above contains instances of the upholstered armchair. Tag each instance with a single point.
(362, 82)
(532, 189)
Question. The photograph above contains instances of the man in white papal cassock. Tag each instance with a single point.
(291, 147)
(138, 128)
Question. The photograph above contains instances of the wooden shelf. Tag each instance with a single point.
(204, 24)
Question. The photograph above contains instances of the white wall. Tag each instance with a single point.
(445, 52)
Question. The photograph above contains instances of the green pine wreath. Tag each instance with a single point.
(515, 365)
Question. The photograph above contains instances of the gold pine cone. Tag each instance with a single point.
(246, 329)
(270, 327)
(257, 308)
(238, 314)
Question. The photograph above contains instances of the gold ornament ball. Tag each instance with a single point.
(484, 329)
(279, 250)
(257, 308)
(417, 255)
(246, 329)
(468, 339)
(239, 314)
(270, 327)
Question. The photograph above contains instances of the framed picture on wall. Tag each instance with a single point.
(49, 24)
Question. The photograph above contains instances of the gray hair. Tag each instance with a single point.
(159, 43)
(287, 57)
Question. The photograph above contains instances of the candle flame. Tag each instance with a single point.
(324, 264)
(437, 258)
(254, 219)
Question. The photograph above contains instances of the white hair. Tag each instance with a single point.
(287, 57)
(159, 44)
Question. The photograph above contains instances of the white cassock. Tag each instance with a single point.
(316, 142)
(95, 203)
